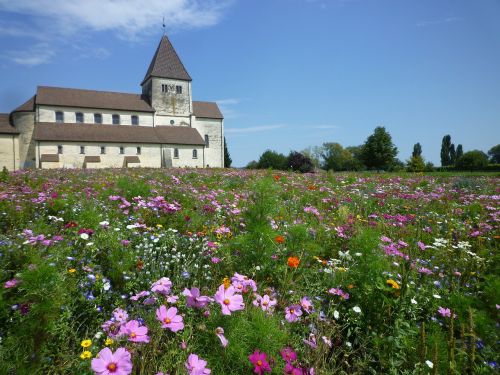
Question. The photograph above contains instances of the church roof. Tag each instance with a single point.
(117, 134)
(5, 126)
(166, 63)
(28, 106)
(79, 98)
(207, 110)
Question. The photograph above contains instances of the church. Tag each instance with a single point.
(74, 128)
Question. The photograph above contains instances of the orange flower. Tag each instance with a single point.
(293, 262)
(277, 177)
(311, 187)
(226, 282)
(279, 239)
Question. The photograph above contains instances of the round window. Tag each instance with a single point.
(172, 122)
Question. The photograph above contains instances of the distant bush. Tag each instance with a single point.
(472, 160)
(299, 162)
(272, 159)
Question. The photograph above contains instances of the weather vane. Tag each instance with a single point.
(163, 24)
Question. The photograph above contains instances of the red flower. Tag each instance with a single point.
(293, 262)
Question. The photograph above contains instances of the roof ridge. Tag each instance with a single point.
(76, 89)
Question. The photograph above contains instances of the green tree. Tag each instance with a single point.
(445, 151)
(335, 157)
(313, 153)
(252, 165)
(460, 152)
(272, 159)
(494, 154)
(417, 150)
(227, 157)
(472, 160)
(453, 155)
(415, 164)
(378, 151)
(357, 157)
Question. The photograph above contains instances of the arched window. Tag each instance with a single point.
(79, 117)
(59, 116)
(135, 120)
(207, 141)
(176, 153)
(195, 154)
(116, 119)
(98, 118)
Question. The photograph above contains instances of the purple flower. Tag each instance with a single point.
(219, 331)
(194, 299)
(293, 313)
(117, 363)
(11, 283)
(135, 332)
(169, 318)
(196, 365)
(120, 315)
(259, 360)
(228, 300)
(306, 304)
(162, 286)
(264, 302)
(288, 355)
(445, 312)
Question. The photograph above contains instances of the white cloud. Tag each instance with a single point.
(38, 54)
(227, 107)
(438, 22)
(253, 129)
(127, 18)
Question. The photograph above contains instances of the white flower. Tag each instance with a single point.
(335, 314)
(104, 223)
(356, 309)
(84, 236)
(413, 301)
(98, 335)
(436, 296)
(429, 363)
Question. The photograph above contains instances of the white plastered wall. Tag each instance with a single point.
(9, 151)
(214, 129)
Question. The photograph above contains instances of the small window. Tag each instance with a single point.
(207, 141)
(135, 120)
(122, 150)
(164, 88)
(116, 119)
(59, 116)
(178, 89)
(59, 149)
(82, 149)
(138, 150)
(79, 117)
(103, 150)
(195, 154)
(97, 118)
(176, 153)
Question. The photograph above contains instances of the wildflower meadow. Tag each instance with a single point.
(237, 272)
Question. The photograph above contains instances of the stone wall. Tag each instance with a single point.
(185, 158)
(214, 153)
(24, 122)
(170, 103)
(9, 151)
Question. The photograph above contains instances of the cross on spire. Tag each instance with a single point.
(163, 24)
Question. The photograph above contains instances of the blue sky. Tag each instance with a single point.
(287, 74)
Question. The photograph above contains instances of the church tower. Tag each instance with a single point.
(167, 87)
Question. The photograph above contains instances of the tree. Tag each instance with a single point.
(252, 165)
(227, 157)
(313, 153)
(272, 159)
(459, 152)
(472, 160)
(494, 154)
(415, 164)
(379, 151)
(453, 154)
(445, 151)
(357, 157)
(335, 157)
(417, 150)
(299, 162)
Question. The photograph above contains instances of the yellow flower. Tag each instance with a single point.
(86, 343)
(71, 270)
(159, 226)
(86, 354)
(109, 341)
(226, 282)
(392, 283)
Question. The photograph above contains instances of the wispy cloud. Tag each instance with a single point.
(438, 22)
(227, 107)
(38, 54)
(253, 129)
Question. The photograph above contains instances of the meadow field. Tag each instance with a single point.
(237, 272)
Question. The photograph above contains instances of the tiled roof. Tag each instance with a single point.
(166, 63)
(5, 126)
(207, 110)
(28, 106)
(117, 134)
(66, 97)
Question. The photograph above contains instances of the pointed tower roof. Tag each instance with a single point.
(166, 63)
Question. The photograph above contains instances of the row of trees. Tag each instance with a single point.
(377, 153)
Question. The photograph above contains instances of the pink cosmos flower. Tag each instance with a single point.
(339, 292)
(162, 286)
(136, 297)
(312, 341)
(445, 312)
(117, 363)
(421, 245)
(11, 283)
(135, 332)
(219, 331)
(112, 328)
(293, 313)
(194, 299)
(120, 315)
(259, 360)
(228, 300)
(169, 318)
(292, 370)
(288, 354)
(196, 366)
(243, 283)
(264, 302)
(306, 304)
